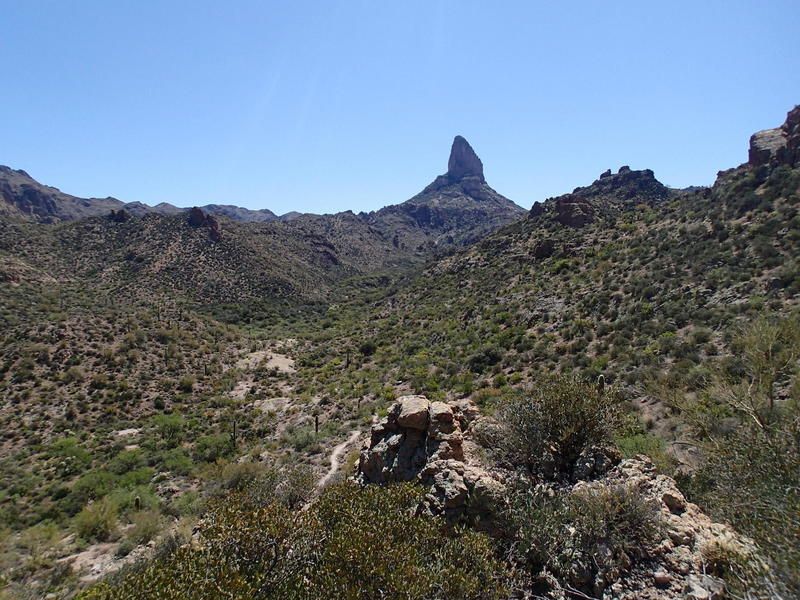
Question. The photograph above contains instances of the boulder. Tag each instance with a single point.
(413, 412)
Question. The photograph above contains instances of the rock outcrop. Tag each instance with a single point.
(423, 441)
(777, 146)
(574, 211)
(119, 216)
(197, 218)
(432, 443)
(681, 565)
(607, 196)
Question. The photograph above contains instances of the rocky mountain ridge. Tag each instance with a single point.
(777, 146)
(23, 197)
(610, 194)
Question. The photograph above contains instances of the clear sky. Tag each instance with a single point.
(326, 106)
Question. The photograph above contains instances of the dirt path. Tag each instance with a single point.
(336, 458)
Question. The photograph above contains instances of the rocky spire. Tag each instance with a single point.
(463, 161)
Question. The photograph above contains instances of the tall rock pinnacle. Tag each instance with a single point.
(463, 161)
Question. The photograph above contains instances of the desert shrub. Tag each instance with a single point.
(212, 447)
(548, 427)
(147, 524)
(177, 461)
(92, 486)
(353, 543)
(649, 445)
(486, 357)
(97, 520)
(70, 457)
(127, 460)
(608, 528)
(169, 428)
(750, 440)
(367, 348)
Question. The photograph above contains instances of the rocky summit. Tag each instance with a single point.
(463, 161)
(456, 209)
(606, 196)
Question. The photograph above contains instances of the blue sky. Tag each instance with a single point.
(327, 106)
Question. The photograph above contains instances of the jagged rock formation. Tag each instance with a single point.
(608, 195)
(458, 208)
(463, 161)
(433, 443)
(424, 441)
(119, 216)
(197, 218)
(676, 567)
(777, 146)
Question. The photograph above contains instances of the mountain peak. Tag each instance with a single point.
(463, 161)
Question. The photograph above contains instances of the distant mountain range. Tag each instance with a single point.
(453, 202)
(24, 197)
(228, 253)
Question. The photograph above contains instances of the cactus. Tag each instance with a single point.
(601, 384)
(233, 435)
(137, 503)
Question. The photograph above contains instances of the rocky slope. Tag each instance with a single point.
(195, 255)
(23, 197)
(433, 443)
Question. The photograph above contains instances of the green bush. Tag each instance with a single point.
(547, 428)
(147, 524)
(97, 521)
(213, 447)
(649, 445)
(353, 543)
(609, 528)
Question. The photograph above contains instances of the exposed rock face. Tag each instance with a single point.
(424, 441)
(463, 161)
(432, 443)
(777, 146)
(23, 196)
(197, 218)
(574, 211)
